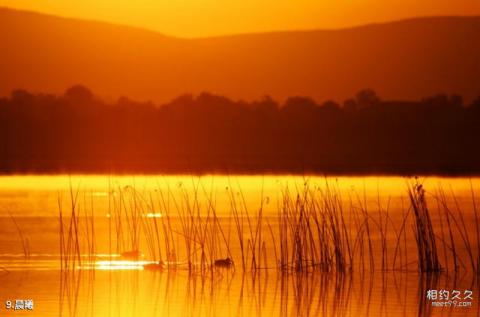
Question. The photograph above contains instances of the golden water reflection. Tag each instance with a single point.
(105, 281)
(230, 293)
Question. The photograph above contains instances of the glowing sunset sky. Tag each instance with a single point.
(193, 18)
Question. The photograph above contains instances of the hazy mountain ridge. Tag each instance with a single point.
(407, 59)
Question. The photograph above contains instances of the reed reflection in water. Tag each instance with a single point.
(229, 293)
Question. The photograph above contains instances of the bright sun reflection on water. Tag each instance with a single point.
(154, 215)
(120, 265)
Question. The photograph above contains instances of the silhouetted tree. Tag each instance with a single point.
(367, 98)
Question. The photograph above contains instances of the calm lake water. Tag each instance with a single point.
(121, 214)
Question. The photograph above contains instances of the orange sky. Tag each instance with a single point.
(194, 18)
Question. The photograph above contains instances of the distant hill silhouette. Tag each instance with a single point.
(407, 59)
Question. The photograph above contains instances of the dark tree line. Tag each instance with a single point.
(77, 132)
